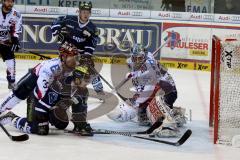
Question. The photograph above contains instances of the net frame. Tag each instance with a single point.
(216, 118)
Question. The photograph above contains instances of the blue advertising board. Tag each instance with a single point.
(114, 36)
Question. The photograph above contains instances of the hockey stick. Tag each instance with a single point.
(181, 141)
(35, 53)
(24, 50)
(19, 138)
(156, 125)
(160, 47)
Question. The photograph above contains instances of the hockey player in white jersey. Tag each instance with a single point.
(10, 28)
(66, 91)
(150, 80)
(41, 76)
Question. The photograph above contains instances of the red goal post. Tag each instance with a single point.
(224, 114)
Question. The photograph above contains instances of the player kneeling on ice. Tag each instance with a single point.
(155, 94)
(41, 76)
(64, 92)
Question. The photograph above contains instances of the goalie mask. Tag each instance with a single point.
(138, 55)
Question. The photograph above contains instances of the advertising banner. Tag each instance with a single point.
(193, 42)
(46, 10)
(187, 41)
(198, 6)
(130, 13)
(96, 12)
(115, 37)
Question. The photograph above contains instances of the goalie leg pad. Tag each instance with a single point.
(153, 111)
(166, 132)
(179, 116)
(142, 117)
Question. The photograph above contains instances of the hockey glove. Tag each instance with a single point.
(63, 34)
(15, 44)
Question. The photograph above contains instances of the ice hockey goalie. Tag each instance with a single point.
(155, 94)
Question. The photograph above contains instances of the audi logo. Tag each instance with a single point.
(176, 15)
(53, 10)
(96, 12)
(235, 18)
(137, 14)
(208, 17)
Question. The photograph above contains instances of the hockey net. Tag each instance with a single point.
(225, 90)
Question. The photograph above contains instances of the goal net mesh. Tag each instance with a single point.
(229, 92)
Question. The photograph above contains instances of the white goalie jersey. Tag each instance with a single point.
(145, 79)
(151, 79)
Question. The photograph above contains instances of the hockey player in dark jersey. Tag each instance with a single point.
(78, 30)
(64, 92)
(10, 29)
(81, 32)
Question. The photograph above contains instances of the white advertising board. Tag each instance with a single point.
(187, 42)
(120, 13)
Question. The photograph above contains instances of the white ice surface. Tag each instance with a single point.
(193, 93)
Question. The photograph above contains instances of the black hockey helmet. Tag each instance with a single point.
(81, 72)
(85, 6)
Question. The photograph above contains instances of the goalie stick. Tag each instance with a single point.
(156, 125)
(148, 131)
(181, 141)
(19, 138)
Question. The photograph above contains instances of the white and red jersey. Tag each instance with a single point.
(46, 71)
(145, 79)
(10, 25)
(148, 79)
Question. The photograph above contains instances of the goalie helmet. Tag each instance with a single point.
(85, 6)
(138, 55)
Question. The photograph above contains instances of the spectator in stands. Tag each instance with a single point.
(227, 7)
(173, 5)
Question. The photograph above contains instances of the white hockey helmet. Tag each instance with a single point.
(138, 54)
